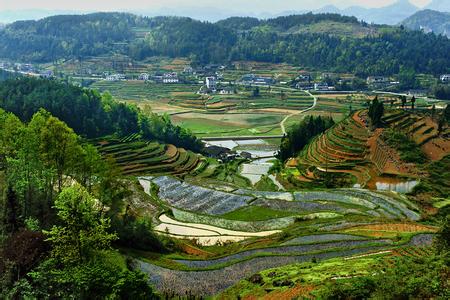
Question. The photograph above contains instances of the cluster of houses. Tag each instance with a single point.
(252, 79)
(211, 87)
(171, 77)
(115, 77)
(167, 78)
(224, 154)
(26, 69)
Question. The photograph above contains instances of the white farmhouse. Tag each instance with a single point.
(211, 83)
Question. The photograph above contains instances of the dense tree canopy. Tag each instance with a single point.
(301, 134)
(89, 113)
(50, 179)
(382, 50)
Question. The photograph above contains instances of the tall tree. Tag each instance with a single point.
(376, 111)
(83, 229)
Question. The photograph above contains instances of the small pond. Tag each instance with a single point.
(399, 185)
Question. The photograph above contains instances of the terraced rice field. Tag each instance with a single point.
(422, 130)
(136, 157)
(205, 234)
(197, 204)
(208, 277)
(342, 149)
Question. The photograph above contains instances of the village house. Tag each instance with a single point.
(115, 77)
(170, 78)
(321, 86)
(445, 78)
(211, 83)
(144, 76)
(252, 79)
(304, 85)
(226, 91)
(46, 74)
(371, 80)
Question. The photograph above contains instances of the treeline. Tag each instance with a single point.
(62, 211)
(89, 114)
(5, 75)
(441, 91)
(284, 22)
(67, 36)
(301, 134)
(385, 52)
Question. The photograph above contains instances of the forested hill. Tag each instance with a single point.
(322, 41)
(67, 35)
(88, 113)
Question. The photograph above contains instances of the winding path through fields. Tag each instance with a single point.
(282, 124)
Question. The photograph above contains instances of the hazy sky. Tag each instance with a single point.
(249, 5)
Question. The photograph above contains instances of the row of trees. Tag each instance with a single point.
(301, 134)
(90, 114)
(56, 236)
(386, 52)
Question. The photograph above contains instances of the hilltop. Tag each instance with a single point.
(429, 21)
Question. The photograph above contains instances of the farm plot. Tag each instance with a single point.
(136, 157)
(305, 205)
(233, 224)
(202, 283)
(321, 238)
(282, 250)
(341, 149)
(208, 235)
(210, 282)
(198, 199)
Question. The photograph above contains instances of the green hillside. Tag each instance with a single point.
(304, 40)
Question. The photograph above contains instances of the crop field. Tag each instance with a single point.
(231, 124)
(140, 90)
(244, 231)
(136, 157)
(257, 210)
(341, 149)
(422, 130)
(301, 279)
(208, 277)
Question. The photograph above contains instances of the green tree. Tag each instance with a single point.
(413, 101)
(256, 92)
(376, 111)
(83, 230)
(403, 98)
(59, 146)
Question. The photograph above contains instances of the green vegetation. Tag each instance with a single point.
(376, 111)
(301, 134)
(438, 181)
(409, 151)
(370, 50)
(88, 113)
(56, 234)
(256, 213)
(441, 91)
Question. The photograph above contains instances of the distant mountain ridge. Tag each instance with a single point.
(390, 15)
(429, 21)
